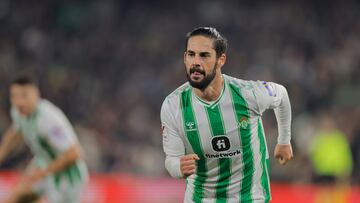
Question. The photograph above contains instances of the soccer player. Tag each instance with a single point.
(57, 171)
(212, 130)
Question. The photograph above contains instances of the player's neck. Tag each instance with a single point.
(213, 91)
(33, 109)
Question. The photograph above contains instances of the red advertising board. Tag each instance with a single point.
(118, 188)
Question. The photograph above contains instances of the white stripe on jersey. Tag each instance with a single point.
(231, 127)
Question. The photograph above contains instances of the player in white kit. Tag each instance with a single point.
(57, 171)
(212, 130)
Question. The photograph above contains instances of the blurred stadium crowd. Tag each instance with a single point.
(109, 64)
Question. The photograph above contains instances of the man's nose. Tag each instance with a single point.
(196, 61)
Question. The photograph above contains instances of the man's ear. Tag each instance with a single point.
(221, 60)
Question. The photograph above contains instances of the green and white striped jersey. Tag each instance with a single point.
(48, 133)
(228, 137)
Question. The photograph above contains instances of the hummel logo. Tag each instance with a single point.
(190, 126)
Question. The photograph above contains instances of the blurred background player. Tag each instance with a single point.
(331, 158)
(57, 170)
(212, 130)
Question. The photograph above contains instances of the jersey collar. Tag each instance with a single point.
(213, 103)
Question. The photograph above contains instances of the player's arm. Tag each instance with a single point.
(275, 96)
(11, 139)
(177, 163)
(63, 160)
(60, 136)
(283, 150)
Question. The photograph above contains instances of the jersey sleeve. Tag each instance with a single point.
(56, 129)
(270, 95)
(172, 143)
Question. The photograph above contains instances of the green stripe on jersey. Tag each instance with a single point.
(52, 154)
(243, 117)
(215, 120)
(217, 128)
(72, 172)
(192, 134)
(264, 162)
(45, 145)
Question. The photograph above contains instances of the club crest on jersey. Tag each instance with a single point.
(190, 126)
(244, 122)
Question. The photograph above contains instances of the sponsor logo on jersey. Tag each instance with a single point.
(223, 155)
(190, 126)
(220, 143)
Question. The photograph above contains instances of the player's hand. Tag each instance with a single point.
(188, 164)
(283, 153)
(34, 175)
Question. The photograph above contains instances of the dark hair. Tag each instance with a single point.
(25, 79)
(219, 42)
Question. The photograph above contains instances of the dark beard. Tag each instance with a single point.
(203, 83)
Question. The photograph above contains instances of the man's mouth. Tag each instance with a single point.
(197, 73)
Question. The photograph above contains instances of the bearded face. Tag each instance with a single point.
(199, 79)
(200, 62)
